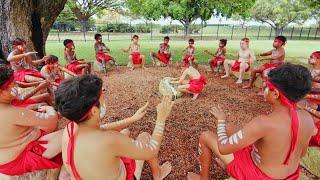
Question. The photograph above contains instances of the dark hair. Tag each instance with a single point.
(135, 36)
(294, 81)
(75, 97)
(247, 40)
(96, 36)
(224, 41)
(18, 41)
(52, 59)
(5, 74)
(67, 41)
(191, 40)
(166, 38)
(282, 38)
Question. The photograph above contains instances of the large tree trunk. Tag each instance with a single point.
(28, 19)
(186, 28)
(277, 31)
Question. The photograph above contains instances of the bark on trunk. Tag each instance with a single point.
(186, 29)
(277, 31)
(28, 19)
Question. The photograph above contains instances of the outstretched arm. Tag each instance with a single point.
(42, 85)
(135, 149)
(122, 124)
(249, 134)
(182, 78)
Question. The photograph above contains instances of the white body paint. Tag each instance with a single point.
(223, 137)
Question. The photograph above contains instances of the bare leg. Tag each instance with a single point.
(252, 78)
(83, 67)
(143, 61)
(30, 78)
(243, 67)
(103, 61)
(153, 56)
(208, 143)
(227, 69)
(158, 172)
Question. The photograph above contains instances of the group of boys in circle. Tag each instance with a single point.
(268, 147)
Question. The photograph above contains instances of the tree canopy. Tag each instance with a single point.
(187, 11)
(280, 13)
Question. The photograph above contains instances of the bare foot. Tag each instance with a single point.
(239, 81)
(165, 170)
(247, 87)
(225, 76)
(193, 176)
(195, 96)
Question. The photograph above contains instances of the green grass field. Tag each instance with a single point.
(296, 51)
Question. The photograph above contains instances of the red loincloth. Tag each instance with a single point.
(20, 75)
(130, 165)
(197, 85)
(104, 56)
(315, 140)
(21, 103)
(136, 58)
(30, 159)
(163, 57)
(243, 168)
(186, 60)
(214, 62)
(73, 67)
(236, 66)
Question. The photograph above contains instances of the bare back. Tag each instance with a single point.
(91, 157)
(274, 147)
(14, 138)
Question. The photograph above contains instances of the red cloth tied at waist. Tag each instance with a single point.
(236, 66)
(104, 56)
(20, 75)
(243, 168)
(73, 67)
(196, 85)
(136, 58)
(214, 62)
(163, 57)
(31, 159)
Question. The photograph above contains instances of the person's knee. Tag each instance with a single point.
(142, 56)
(125, 132)
(204, 137)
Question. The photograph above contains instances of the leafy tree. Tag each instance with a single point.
(280, 13)
(67, 20)
(315, 5)
(187, 11)
(84, 9)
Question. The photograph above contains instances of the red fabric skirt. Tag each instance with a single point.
(20, 75)
(315, 140)
(130, 165)
(136, 58)
(24, 104)
(269, 65)
(163, 57)
(186, 60)
(243, 168)
(73, 67)
(197, 85)
(104, 56)
(30, 159)
(214, 62)
(236, 66)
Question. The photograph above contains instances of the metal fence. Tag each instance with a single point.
(208, 32)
